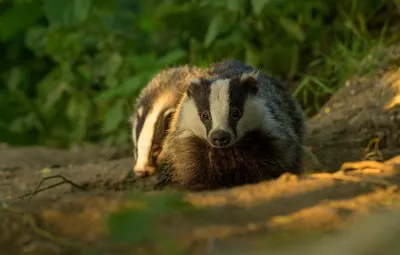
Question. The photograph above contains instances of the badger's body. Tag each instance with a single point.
(233, 125)
(152, 113)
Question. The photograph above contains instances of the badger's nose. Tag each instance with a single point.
(220, 138)
(141, 173)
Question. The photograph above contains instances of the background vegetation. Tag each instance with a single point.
(70, 69)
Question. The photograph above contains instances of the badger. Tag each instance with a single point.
(152, 113)
(233, 125)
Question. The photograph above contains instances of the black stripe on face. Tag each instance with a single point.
(160, 130)
(140, 121)
(145, 103)
(200, 93)
(239, 91)
(237, 98)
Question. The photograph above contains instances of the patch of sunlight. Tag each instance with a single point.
(393, 81)
(45, 170)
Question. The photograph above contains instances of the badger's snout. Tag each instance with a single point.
(143, 172)
(220, 138)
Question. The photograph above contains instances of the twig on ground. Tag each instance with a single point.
(38, 190)
(376, 154)
(365, 167)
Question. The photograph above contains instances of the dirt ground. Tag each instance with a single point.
(352, 211)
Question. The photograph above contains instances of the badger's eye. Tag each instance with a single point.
(236, 114)
(155, 151)
(205, 116)
(156, 148)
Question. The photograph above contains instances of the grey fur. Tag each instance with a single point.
(186, 165)
(283, 108)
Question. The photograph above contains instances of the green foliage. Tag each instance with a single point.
(138, 224)
(72, 69)
(67, 12)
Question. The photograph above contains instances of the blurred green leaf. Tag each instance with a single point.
(252, 56)
(113, 117)
(66, 12)
(234, 5)
(21, 124)
(19, 17)
(106, 64)
(292, 28)
(258, 5)
(36, 39)
(130, 86)
(214, 28)
(14, 78)
(142, 62)
(172, 58)
(139, 223)
(131, 226)
(64, 47)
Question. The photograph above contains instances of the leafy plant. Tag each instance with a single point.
(138, 224)
(72, 68)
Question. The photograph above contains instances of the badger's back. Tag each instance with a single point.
(152, 113)
(170, 81)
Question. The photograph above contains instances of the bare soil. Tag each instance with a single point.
(291, 215)
(366, 108)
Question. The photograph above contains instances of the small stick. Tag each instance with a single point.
(38, 190)
(376, 152)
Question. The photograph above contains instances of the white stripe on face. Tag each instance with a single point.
(134, 124)
(190, 120)
(219, 106)
(145, 139)
(134, 119)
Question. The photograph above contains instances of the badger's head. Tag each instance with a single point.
(149, 126)
(223, 111)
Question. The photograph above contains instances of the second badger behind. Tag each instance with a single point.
(152, 113)
(233, 126)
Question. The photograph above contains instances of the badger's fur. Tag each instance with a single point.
(152, 113)
(233, 125)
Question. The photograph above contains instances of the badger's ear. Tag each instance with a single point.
(249, 81)
(193, 85)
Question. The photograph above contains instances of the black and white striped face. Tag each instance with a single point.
(149, 126)
(223, 111)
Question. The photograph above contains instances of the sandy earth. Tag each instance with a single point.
(291, 215)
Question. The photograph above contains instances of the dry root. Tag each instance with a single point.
(372, 164)
(367, 169)
(38, 189)
(375, 154)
